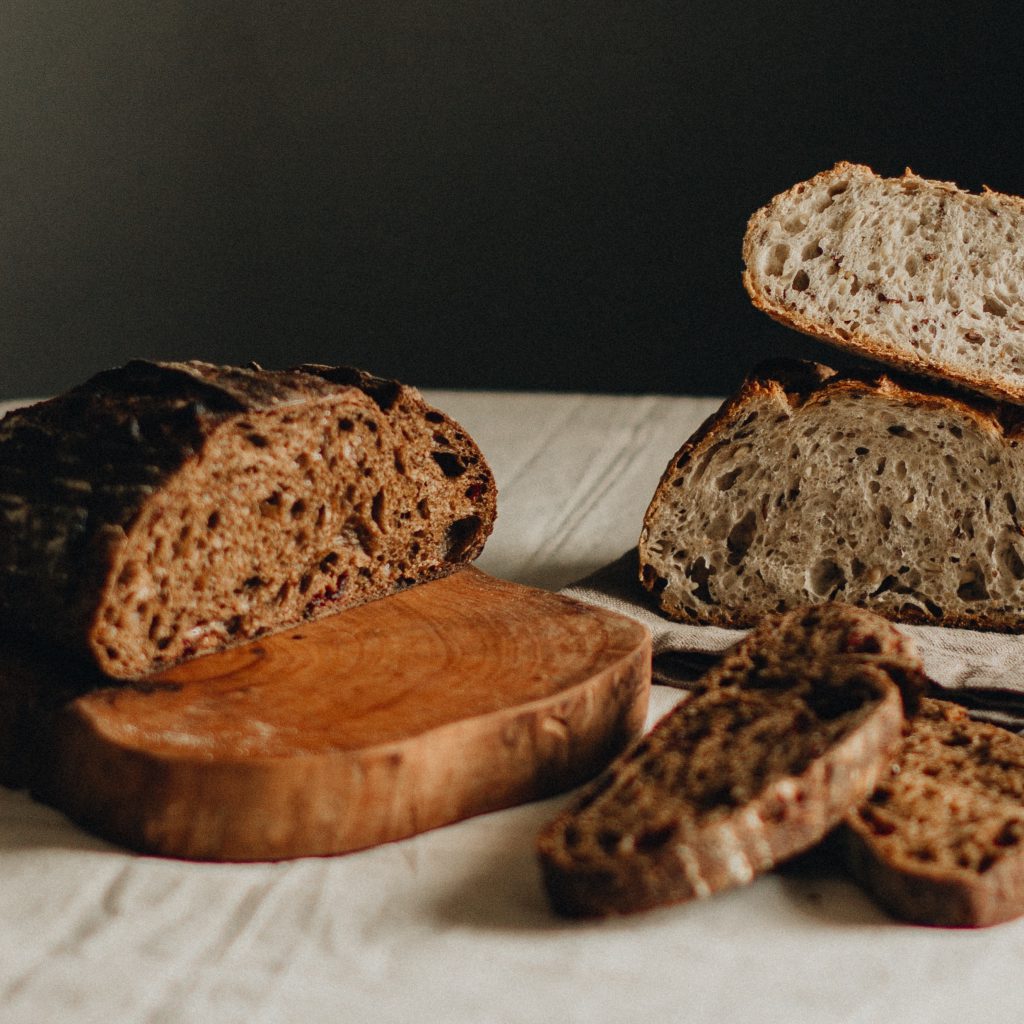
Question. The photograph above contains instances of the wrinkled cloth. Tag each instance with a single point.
(982, 671)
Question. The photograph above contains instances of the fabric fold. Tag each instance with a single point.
(982, 671)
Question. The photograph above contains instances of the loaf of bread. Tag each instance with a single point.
(163, 510)
(941, 841)
(915, 273)
(809, 486)
(790, 732)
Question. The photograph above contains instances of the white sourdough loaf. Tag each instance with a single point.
(941, 841)
(787, 734)
(916, 273)
(163, 510)
(809, 485)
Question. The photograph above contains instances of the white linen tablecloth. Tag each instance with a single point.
(452, 925)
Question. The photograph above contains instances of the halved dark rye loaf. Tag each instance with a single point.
(810, 485)
(791, 731)
(915, 273)
(162, 510)
(941, 841)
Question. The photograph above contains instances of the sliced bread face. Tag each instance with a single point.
(788, 734)
(915, 273)
(161, 511)
(941, 841)
(809, 486)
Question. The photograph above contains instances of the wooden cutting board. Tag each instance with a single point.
(450, 699)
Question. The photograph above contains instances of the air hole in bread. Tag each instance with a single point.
(811, 251)
(460, 536)
(777, 260)
(1010, 834)
(1010, 561)
(801, 281)
(741, 536)
(726, 480)
(654, 583)
(700, 572)
(654, 838)
(973, 585)
(825, 577)
(451, 465)
(377, 511)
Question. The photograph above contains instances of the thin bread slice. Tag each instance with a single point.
(791, 731)
(915, 273)
(164, 510)
(810, 485)
(941, 841)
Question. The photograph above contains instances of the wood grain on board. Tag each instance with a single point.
(450, 699)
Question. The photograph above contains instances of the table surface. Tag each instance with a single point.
(452, 925)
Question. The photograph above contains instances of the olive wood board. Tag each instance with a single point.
(450, 699)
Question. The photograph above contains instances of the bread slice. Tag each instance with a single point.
(809, 486)
(915, 273)
(941, 841)
(163, 510)
(791, 731)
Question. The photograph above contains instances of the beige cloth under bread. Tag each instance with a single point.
(983, 671)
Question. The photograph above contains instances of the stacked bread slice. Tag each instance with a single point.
(792, 730)
(814, 722)
(891, 492)
(895, 490)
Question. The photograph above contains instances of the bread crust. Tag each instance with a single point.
(860, 342)
(927, 893)
(801, 383)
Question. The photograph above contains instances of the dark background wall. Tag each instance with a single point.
(473, 193)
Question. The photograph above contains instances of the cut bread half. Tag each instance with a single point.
(163, 510)
(809, 486)
(941, 841)
(915, 273)
(788, 733)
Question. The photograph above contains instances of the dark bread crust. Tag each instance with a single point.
(641, 837)
(859, 341)
(801, 383)
(79, 473)
(879, 846)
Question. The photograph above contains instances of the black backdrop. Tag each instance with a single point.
(474, 193)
